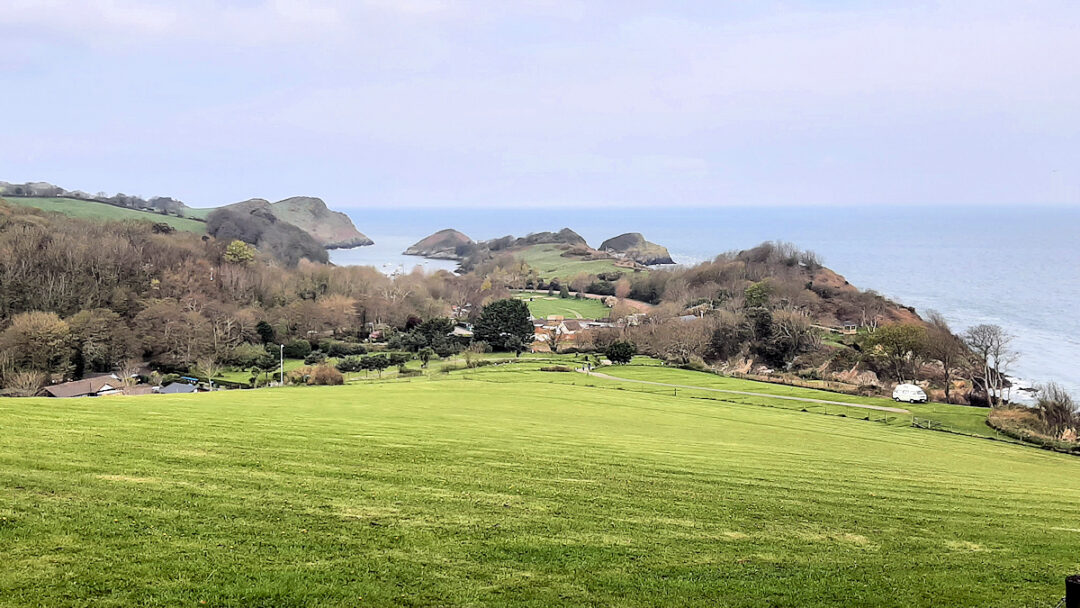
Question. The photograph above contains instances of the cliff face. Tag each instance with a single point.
(333, 229)
(446, 244)
(633, 246)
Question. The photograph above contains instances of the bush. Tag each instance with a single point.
(621, 352)
(316, 357)
(326, 376)
(399, 358)
(695, 363)
(338, 348)
(1057, 410)
(555, 368)
(601, 288)
(299, 375)
(298, 349)
(446, 368)
(405, 372)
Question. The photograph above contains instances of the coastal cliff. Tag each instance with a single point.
(446, 244)
(333, 229)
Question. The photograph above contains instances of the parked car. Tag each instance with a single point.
(909, 393)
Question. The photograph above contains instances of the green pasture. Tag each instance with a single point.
(542, 306)
(506, 485)
(104, 212)
(550, 263)
(954, 417)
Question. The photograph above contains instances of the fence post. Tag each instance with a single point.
(1072, 591)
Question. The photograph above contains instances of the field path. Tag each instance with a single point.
(880, 408)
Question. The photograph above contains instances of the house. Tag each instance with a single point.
(87, 387)
(850, 328)
(177, 388)
(565, 332)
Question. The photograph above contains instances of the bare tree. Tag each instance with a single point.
(24, 383)
(1057, 410)
(209, 366)
(943, 346)
(991, 346)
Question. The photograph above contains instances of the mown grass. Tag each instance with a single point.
(104, 212)
(550, 263)
(453, 490)
(953, 417)
(542, 306)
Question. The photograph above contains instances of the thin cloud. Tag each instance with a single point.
(430, 102)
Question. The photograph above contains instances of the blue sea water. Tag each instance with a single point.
(1018, 267)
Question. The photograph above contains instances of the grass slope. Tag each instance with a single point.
(101, 211)
(460, 491)
(953, 417)
(542, 306)
(549, 262)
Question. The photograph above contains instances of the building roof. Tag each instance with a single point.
(84, 387)
(177, 388)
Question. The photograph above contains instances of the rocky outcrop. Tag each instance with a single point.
(446, 244)
(333, 229)
(633, 246)
(565, 236)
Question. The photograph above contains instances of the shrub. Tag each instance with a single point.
(338, 348)
(621, 352)
(555, 368)
(326, 376)
(298, 349)
(299, 375)
(24, 383)
(601, 288)
(399, 358)
(1057, 410)
(446, 368)
(695, 363)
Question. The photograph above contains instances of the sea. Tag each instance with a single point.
(1017, 267)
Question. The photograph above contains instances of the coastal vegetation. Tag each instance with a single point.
(301, 225)
(172, 302)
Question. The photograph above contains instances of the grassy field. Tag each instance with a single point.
(542, 305)
(954, 417)
(510, 486)
(548, 261)
(101, 211)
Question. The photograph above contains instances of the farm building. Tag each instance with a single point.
(87, 387)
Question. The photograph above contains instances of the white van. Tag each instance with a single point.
(909, 393)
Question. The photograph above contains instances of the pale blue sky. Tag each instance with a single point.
(431, 102)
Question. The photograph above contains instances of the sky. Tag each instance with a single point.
(543, 103)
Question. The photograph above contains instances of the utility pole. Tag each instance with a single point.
(282, 363)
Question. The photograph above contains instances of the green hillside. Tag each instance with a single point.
(105, 212)
(542, 305)
(512, 486)
(550, 263)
